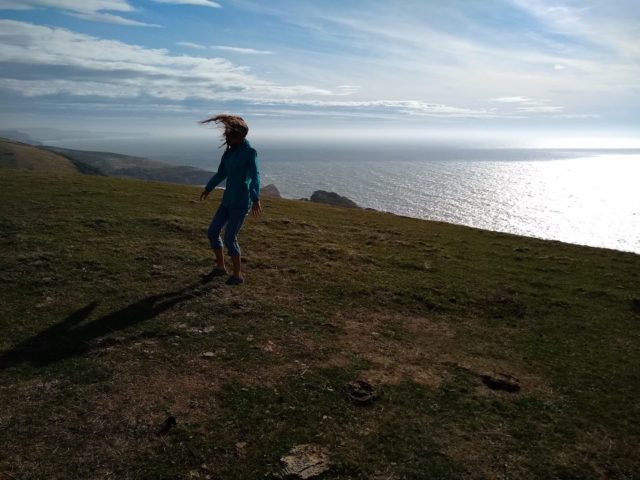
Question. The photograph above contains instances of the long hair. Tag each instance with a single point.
(234, 126)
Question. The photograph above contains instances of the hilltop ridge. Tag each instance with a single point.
(15, 154)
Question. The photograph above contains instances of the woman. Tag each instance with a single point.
(239, 165)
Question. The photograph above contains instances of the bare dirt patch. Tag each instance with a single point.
(399, 347)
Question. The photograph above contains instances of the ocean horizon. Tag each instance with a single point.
(580, 196)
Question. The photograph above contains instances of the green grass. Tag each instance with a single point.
(26, 157)
(105, 320)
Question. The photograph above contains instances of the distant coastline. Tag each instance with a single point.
(584, 197)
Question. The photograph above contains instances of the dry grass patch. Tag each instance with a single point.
(398, 347)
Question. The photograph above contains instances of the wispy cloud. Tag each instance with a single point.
(86, 6)
(250, 51)
(409, 107)
(566, 64)
(57, 60)
(345, 90)
(197, 46)
(541, 109)
(110, 18)
(612, 25)
(513, 59)
(517, 99)
(201, 3)
(14, 5)
(92, 10)
(529, 105)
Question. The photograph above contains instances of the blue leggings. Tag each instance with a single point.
(233, 217)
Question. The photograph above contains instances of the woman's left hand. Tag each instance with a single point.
(256, 209)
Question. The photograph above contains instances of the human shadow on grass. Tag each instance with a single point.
(68, 338)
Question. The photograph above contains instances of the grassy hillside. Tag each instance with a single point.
(118, 165)
(22, 156)
(109, 333)
(19, 155)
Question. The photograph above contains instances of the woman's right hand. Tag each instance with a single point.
(204, 195)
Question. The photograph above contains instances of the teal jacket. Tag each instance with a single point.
(239, 165)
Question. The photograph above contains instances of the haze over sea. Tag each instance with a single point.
(587, 197)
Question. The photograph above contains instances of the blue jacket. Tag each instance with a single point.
(239, 165)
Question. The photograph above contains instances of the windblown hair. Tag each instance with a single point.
(234, 126)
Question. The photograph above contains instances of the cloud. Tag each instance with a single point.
(461, 58)
(14, 5)
(201, 3)
(345, 90)
(529, 105)
(541, 109)
(225, 48)
(578, 115)
(85, 6)
(43, 61)
(92, 10)
(191, 45)
(251, 51)
(609, 25)
(512, 100)
(38, 60)
(409, 107)
(115, 19)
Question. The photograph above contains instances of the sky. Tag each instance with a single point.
(542, 70)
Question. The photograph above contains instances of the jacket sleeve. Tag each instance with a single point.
(220, 175)
(254, 175)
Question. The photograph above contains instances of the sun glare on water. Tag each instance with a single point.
(591, 142)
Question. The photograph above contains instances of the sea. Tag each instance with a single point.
(580, 196)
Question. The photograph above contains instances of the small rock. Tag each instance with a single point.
(360, 391)
(208, 355)
(241, 449)
(501, 381)
(305, 461)
(270, 191)
(168, 424)
(635, 305)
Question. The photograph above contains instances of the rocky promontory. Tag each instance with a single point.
(332, 198)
